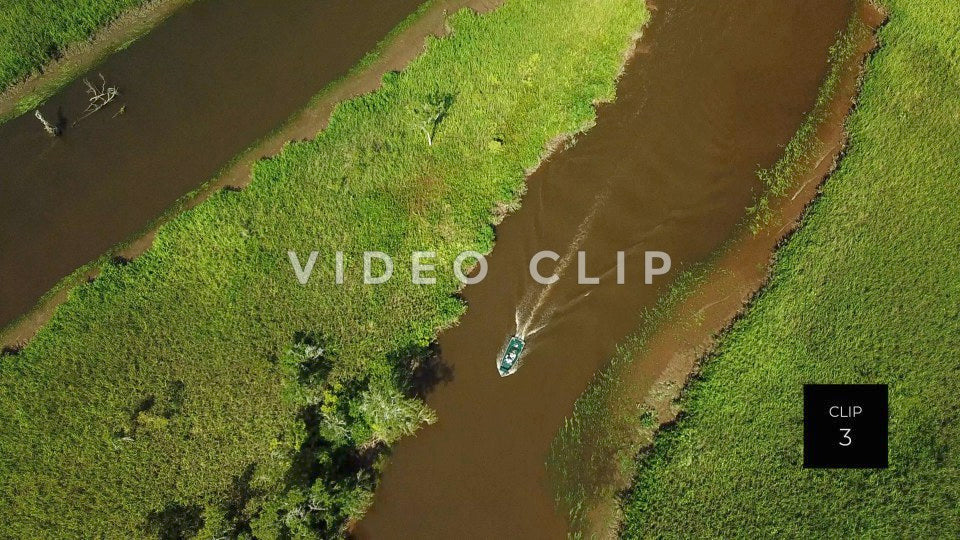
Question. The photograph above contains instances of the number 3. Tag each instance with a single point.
(846, 435)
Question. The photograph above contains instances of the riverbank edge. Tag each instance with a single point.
(643, 406)
(390, 54)
(128, 26)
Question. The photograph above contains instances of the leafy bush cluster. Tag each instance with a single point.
(346, 425)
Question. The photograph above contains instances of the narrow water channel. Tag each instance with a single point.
(715, 91)
(195, 91)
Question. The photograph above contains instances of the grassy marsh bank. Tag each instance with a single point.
(187, 389)
(865, 291)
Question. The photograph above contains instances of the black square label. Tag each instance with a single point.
(845, 426)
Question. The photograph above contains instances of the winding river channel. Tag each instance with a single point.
(713, 93)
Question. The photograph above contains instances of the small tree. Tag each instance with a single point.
(431, 112)
(391, 415)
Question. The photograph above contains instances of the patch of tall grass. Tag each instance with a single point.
(805, 145)
(201, 389)
(594, 451)
(34, 32)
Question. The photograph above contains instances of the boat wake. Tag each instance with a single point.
(528, 313)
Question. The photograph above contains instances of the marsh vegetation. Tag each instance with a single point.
(34, 32)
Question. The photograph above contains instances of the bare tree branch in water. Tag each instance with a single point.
(50, 128)
(99, 97)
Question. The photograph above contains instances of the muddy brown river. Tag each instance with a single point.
(195, 91)
(714, 92)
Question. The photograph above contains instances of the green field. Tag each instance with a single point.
(33, 32)
(866, 292)
(200, 388)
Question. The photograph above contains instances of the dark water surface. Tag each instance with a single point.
(197, 90)
(714, 93)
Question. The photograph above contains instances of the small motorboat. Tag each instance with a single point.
(510, 361)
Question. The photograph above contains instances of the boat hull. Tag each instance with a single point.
(509, 361)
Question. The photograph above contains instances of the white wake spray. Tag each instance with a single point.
(531, 305)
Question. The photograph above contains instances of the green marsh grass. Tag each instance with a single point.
(595, 449)
(805, 145)
(34, 32)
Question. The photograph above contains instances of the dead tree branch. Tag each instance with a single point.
(47, 126)
(98, 97)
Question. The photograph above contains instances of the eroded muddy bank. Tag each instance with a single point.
(713, 92)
